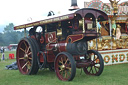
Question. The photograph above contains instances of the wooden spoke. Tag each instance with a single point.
(95, 69)
(25, 65)
(29, 65)
(68, 68)
(22, 50)
(95, 59)
(25, 50)
(25, 44)
(28, 49)
(62, 60)
(90, 69)
(29, 53)
(59, 66)
(65, 74)
(66, 61)
(29, 58)
(60, 70)
(21, 58)
(69, 71)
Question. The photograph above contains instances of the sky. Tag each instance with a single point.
(21, 11)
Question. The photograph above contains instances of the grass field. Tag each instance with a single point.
(112, 75)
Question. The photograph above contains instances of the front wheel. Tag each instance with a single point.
(65, 66)
(97, 64)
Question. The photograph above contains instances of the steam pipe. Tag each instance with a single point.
(25, 34)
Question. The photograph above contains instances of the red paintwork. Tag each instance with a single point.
(41, 57)
(50, 37)
(50, 56)
(75, 38)
(50, 46)
(62, 46)
(42, 40)
(33, 37)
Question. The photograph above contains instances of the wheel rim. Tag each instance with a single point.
(64, 67)
(24, 57)
(96, 66)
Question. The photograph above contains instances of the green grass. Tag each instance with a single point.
(112, 75)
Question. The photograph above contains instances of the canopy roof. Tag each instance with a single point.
(63, 17)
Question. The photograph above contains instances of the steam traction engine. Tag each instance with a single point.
(60, 43)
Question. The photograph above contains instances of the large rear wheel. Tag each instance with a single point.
(65, 66)
(26, 57)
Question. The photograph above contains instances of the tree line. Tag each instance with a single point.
(10, 36)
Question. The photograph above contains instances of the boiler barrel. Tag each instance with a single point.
(77, 48)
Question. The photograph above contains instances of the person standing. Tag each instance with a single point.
(118, 32)
(2, 53)
(1, 50)
(113, 28)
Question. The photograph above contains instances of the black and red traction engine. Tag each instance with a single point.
(60, 44)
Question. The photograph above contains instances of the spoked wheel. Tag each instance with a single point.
(65, 66)
(26, 57)
(97, 64)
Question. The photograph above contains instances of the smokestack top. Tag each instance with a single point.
(73, 2)
(74, 5)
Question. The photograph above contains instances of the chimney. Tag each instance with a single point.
(73, 5)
